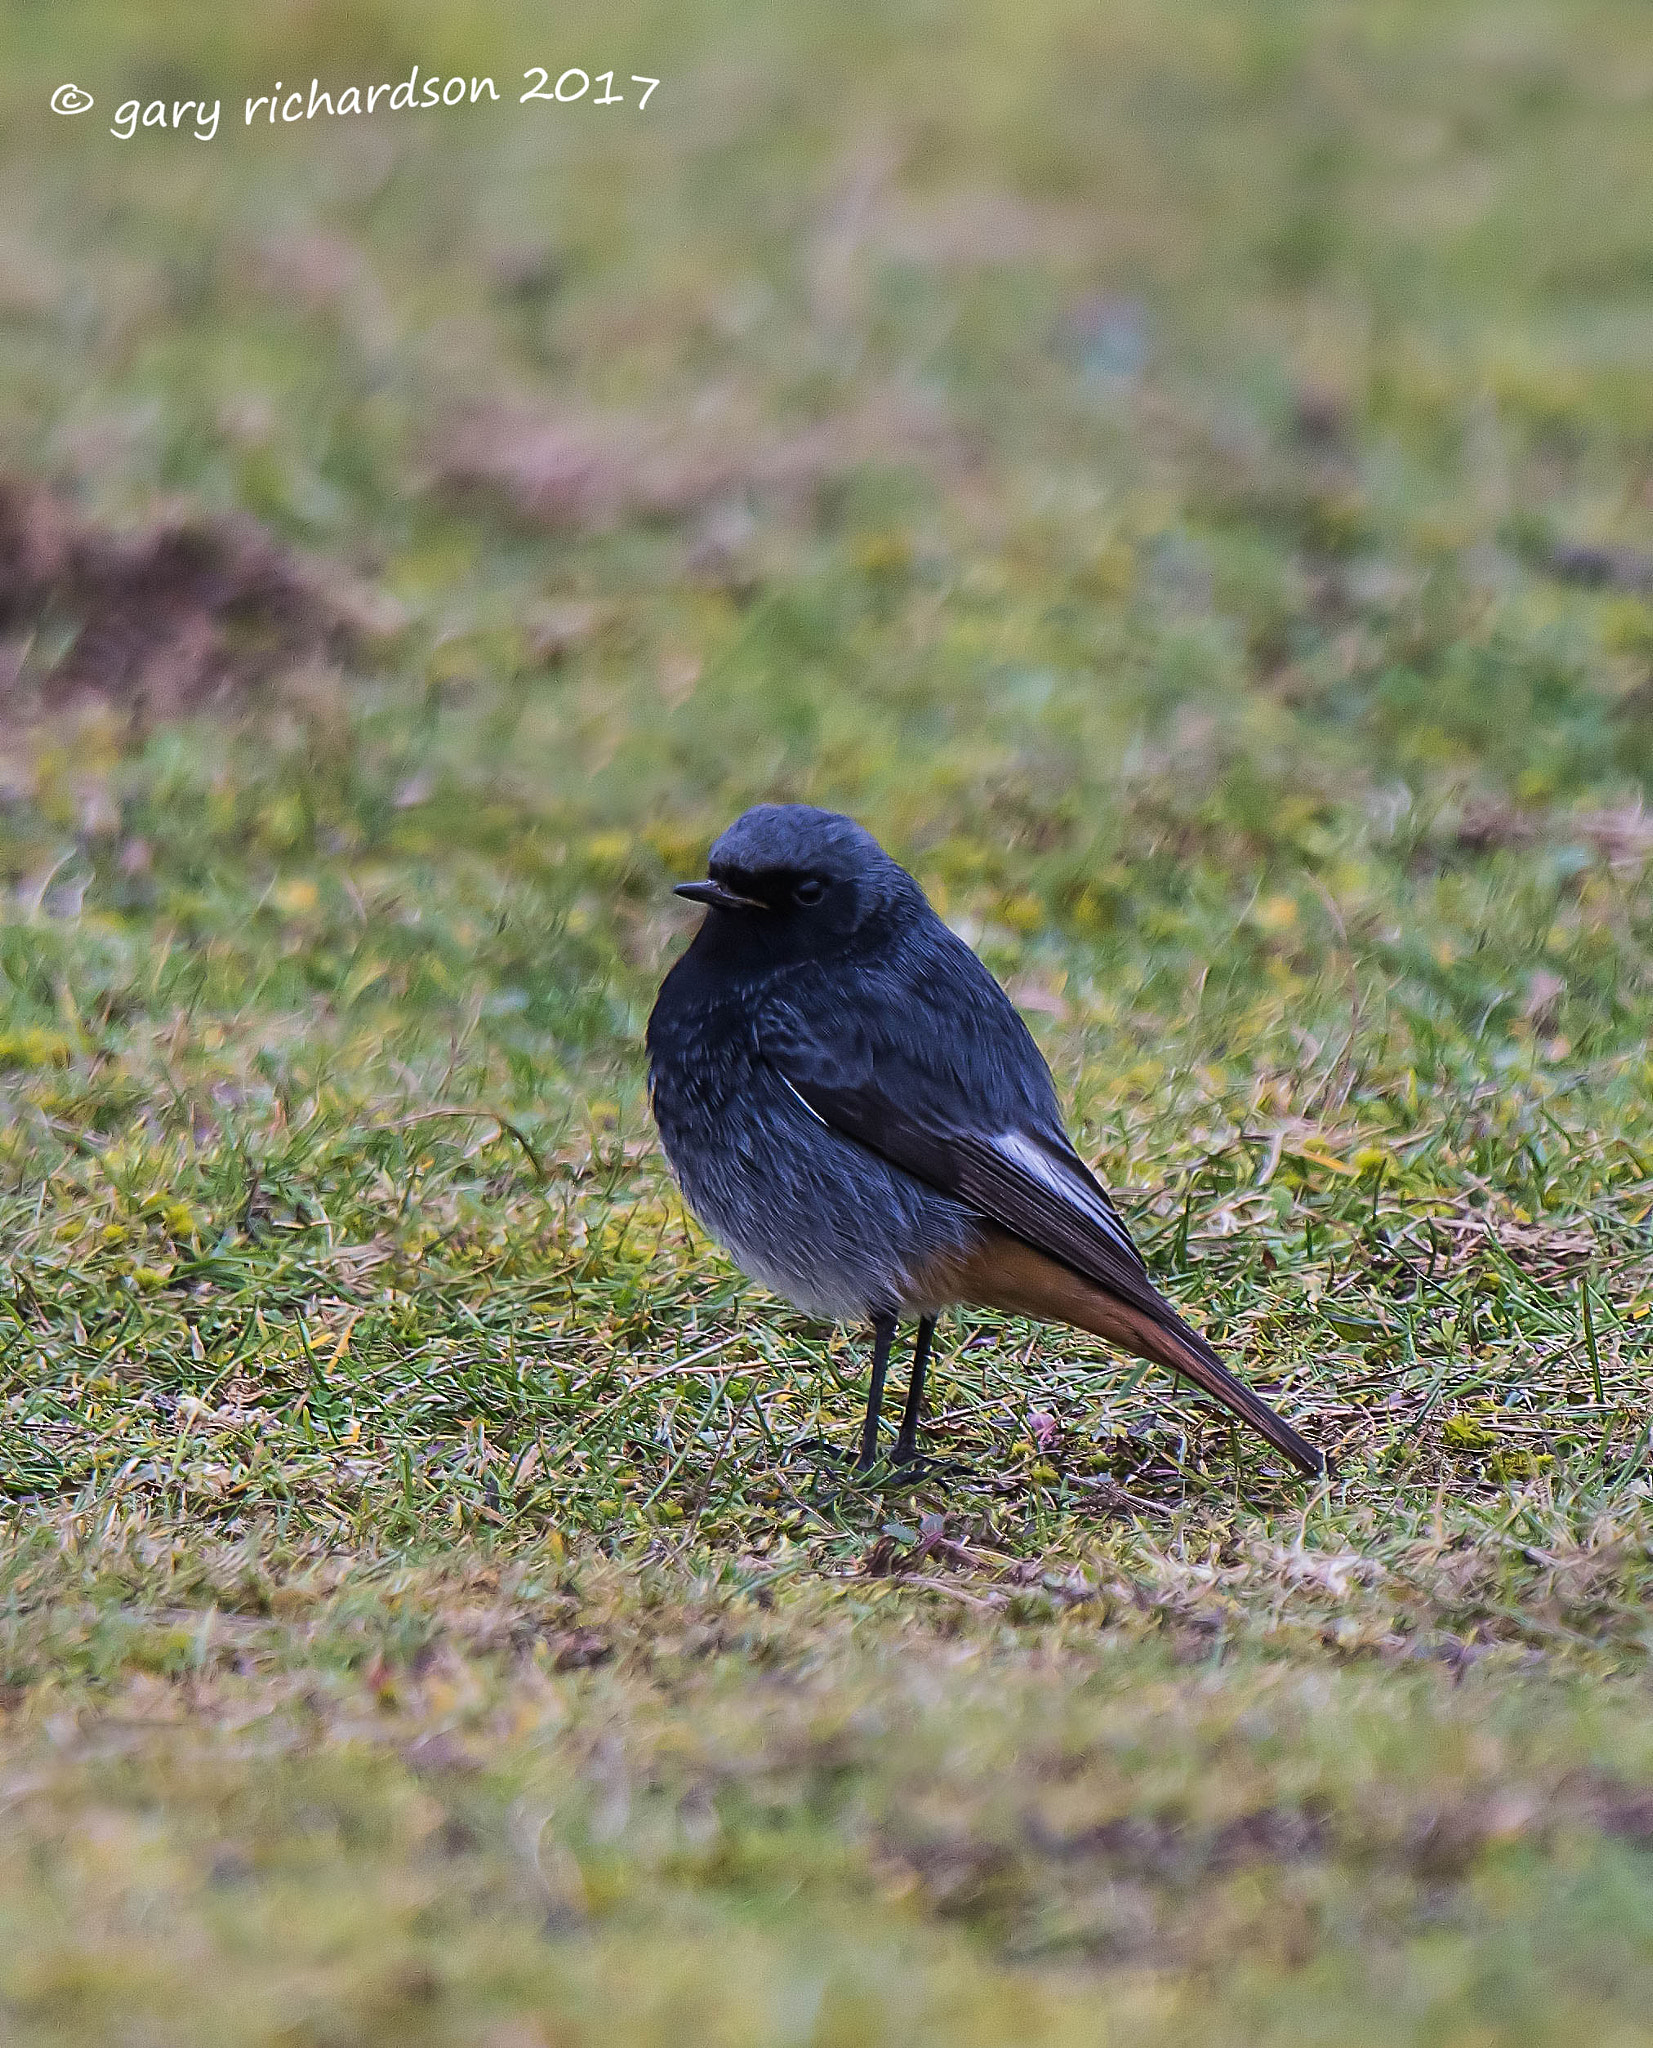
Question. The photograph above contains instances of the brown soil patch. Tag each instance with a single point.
(163, 618)
(593, 470)
(1621, 837)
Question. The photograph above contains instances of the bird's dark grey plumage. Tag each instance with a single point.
(852, 1105)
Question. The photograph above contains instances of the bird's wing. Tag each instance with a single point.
(1026, 1178)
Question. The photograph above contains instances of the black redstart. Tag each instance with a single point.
(853, 1107)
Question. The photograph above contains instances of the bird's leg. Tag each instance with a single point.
(883, 1336)
(906, 1444)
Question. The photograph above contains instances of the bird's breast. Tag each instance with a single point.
(804, 1209)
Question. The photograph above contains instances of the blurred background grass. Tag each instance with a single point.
(1183, 474)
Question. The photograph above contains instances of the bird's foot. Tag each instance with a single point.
(898, 1467)
(909, 1468)
(919, 1465)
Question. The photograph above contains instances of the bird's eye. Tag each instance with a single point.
(809, 891)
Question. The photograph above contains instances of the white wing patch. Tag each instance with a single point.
(802, 1104)
(1069, 1187)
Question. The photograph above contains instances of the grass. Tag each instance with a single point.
(812, 1815)
(1182, 476)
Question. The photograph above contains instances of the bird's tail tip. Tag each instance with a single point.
(1195, 1359)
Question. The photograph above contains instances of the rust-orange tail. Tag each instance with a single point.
(1006, 1274)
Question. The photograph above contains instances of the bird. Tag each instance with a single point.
(853, 1107)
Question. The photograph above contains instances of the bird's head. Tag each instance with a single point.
(787, 880)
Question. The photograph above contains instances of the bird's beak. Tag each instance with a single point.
(717, 896)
